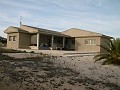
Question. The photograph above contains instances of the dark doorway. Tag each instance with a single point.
(49, 42)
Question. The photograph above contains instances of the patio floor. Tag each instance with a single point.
(60, 52)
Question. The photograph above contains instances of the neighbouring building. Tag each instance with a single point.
(29, 37)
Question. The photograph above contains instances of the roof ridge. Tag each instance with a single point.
(41, 28)
(84, 30)
(46, 30)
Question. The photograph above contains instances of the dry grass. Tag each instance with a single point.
(4, 50)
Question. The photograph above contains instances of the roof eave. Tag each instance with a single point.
(107, 36)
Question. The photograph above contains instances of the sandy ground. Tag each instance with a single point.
(23, 55)
(86, 66)
(64, 73)
(58, 52)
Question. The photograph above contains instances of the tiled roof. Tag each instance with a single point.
(46, 31)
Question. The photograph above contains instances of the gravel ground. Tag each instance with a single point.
(101, 77)
(57, 73)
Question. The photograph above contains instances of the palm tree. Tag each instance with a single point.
(112, 54)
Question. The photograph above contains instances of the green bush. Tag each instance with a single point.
(112, 55)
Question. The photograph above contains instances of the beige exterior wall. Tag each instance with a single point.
(82, 47)
(24, 40)
(13, 44)
(34, 39)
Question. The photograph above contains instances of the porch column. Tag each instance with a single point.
(52, 42)
(38, 41)
(63, 42)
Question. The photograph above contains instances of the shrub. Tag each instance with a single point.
(112, 55)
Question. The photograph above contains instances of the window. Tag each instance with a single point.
(14, 38)
(90, 42)
(10, 38)
(93, 41)
(87, 42)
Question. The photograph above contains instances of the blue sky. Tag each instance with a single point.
(102, 16)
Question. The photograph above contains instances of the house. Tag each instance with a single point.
(29, 37)
(87, 41)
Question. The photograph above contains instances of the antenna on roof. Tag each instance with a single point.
(20, 21)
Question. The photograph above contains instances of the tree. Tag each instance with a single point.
(112, 54)
(3, 40)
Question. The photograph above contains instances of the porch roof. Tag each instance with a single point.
(46, 31)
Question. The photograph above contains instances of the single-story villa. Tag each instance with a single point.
(29, 37)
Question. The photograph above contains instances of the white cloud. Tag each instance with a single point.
(60, 15)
